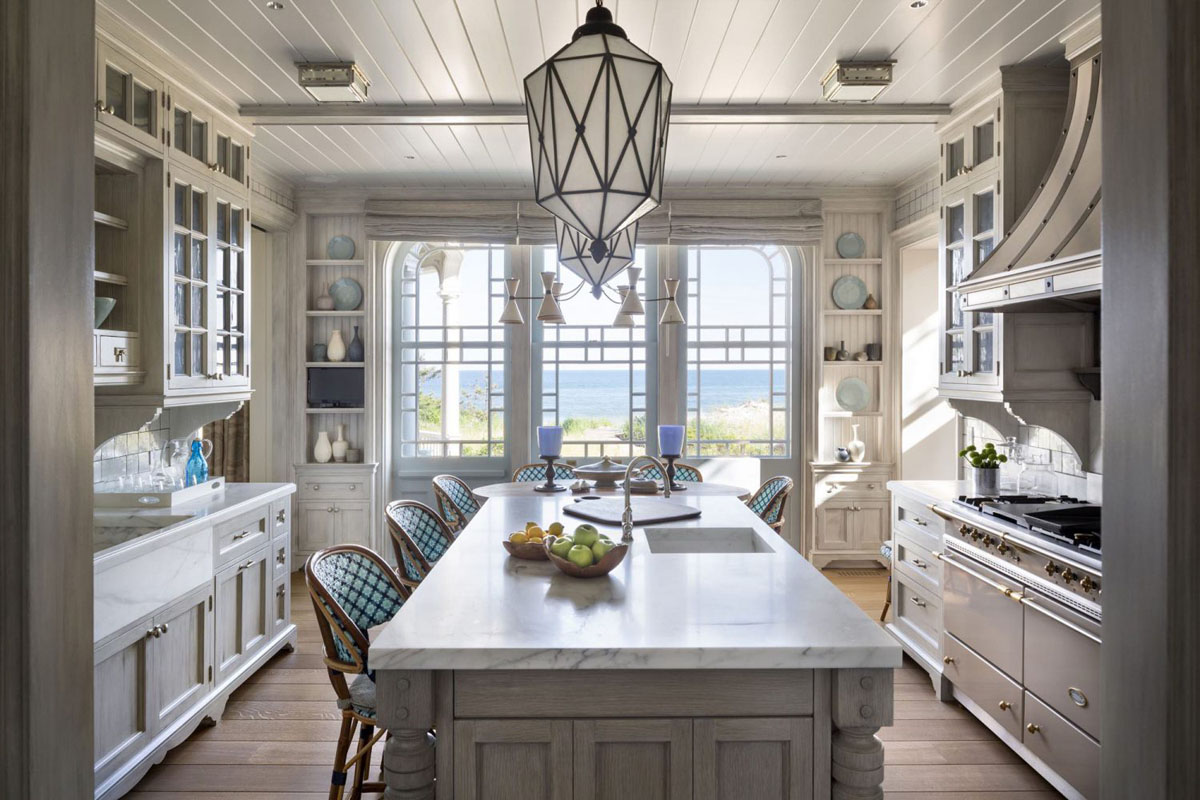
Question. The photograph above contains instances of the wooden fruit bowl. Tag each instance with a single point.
(601, 567)
(531, 551)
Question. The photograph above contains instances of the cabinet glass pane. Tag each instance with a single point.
(984, 317)
(223, 154)
(199, 143)
(179, 253)
(985, 218)
(983, 249)
(198, 271)
(954, 350)
(956, 312)
(237, 160)
(116, 92)
(143, 108)
(197, 353)
(181, 352)
(955, 223)
(181, 197)
(236, 272)
(181, 315)
(235, 355)
(222, 222)
(954, 158)
(235, 312)
(221, 364)
(181, 130)
(987, 357)
(235, 227)
(985, 138)
(219, 268)
(198, 211)
(197, 307)
(958, 265)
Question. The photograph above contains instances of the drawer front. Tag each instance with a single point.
(1062, 661)
(976, 610)
(116, 350)
(1069, 751)
(281, 516)
(991, 690)
(281, 556)
(917, 613)
(333, 490)
(843, 485)
(918, 522)
(242, 535)
(912, 559)
(281, 606)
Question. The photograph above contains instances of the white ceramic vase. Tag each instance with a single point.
(335, 350)
(322, 450)
(325, 302)
(858, 450)
(340, 444)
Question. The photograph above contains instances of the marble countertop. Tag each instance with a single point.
(481, 609)
(932, 491)
(114, 527)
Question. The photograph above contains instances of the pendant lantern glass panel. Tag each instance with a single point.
(575, 253)
(598, 113)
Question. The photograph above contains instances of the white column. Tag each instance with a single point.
(450, 292)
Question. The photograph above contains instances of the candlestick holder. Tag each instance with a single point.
(670, 479)
(549, 485)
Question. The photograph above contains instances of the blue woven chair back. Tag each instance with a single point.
(356, 590)
(683, 472)
(537, 472)
(769, 500)
(420, 535)
(456, 501)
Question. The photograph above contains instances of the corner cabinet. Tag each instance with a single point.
(336, 505)
(850, 513)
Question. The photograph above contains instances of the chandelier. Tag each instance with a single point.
(575, 254)
(598, 112)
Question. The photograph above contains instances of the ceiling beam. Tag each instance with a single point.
(709, 114)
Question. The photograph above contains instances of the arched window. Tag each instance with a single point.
(739, 351)
(448, 351)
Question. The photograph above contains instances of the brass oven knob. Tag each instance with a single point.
(1004, 705)
(988, 541)
(1032, 728)
(1069, 576)
(963, 530)
(1052, 568)
(1087, 584)
(1003, 548)
(976, 535)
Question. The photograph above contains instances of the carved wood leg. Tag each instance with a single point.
(862, 704)
(405, 709)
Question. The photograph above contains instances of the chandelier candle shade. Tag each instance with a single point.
(598, 112)
(550, 438)
(670, 447)
(575, 253)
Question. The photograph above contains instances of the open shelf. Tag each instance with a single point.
(854, 312)
(335, 313)
(334, 410)
(340, 364)
(336, 262)
(853, 363)
(845, 414)
(110, 277)
(110, 221)
(853, 260)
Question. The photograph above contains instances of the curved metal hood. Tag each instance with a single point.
(1050, 259)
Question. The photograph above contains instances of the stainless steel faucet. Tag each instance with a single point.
(627, 516)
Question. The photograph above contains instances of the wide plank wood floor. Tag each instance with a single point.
(277, 737)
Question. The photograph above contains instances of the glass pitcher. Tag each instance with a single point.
(196, 468)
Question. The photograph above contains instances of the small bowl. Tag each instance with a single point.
(531, 551)
(104, 307)
(602, 567)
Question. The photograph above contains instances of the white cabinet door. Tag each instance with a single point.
(869, 525)
(180, 663)
(833, 527)
(242, 608)
(318, 526)
(354, 523)
(122, 717)
(281, 605)
(129, 98)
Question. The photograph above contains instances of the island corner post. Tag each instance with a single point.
(844, 756)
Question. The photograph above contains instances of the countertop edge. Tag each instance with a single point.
(923, 490)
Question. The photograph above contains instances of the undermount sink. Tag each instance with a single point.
(706, 540)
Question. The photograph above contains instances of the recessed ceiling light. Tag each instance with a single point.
(274, 5)
(918, 3)
(781, 155)
(410, 158)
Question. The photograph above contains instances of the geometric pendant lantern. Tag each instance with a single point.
(574, 253)
(598, 111)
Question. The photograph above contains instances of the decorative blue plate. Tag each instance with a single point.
(340, 247)
(347, 294)
(853, 394)
(850, 245)
(849, 292)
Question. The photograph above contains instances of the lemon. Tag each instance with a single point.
(529, 525)
(556, 528)
(535, 532)
(518, 538)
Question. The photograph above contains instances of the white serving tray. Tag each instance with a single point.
(151, 499)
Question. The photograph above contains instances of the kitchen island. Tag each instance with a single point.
(678, 675)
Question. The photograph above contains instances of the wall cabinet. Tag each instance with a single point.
(968, 347)
(130, 99)
(204, 140)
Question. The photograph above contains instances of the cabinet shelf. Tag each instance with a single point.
(852, 363)
(853, 312)
(335, 411)
(336, 364)
(110, 277)
(853, 260)
(847, 414)
(336, 262)
(334, 313)
(109, 221)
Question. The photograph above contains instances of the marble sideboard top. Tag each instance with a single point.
(481, 609)
(932, 491)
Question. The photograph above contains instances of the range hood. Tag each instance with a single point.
(1050, 259)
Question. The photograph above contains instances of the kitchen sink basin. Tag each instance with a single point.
(706, 540)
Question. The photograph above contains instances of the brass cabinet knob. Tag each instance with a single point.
(165, 627)
(316, 487)
(1004, 705)
(1032, 728)
(156, 632)
(329, 510)
(948, 659)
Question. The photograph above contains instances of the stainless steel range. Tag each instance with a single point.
(1022, 627)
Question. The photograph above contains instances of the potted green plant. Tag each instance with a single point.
(985, 467)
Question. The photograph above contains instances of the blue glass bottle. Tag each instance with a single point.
(196, 470)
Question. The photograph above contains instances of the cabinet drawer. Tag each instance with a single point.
(116, 350)
(333, 490)
(281, 605)
(281, 556)
(281, 516)
(242, 534)
(987, 686)
(918, 614)
(915, 561)
(921, 524)
(1062, 661)
(979, 612)
(1069, 751)
(853, 485)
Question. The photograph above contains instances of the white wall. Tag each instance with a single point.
(928, 440)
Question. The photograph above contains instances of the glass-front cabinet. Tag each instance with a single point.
(970, 226)
(129, 98)
(204, 140)
(970, 147)
(209, 286)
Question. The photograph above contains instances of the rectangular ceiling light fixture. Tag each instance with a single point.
(334, 82)
(856, 81)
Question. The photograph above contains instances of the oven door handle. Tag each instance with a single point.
(1004, 590)
(1028, 602)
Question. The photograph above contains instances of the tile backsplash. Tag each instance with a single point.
(131, 454)
(1044, 443)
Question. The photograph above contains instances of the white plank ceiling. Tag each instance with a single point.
(450, 53)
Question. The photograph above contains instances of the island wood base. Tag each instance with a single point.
(609, 734)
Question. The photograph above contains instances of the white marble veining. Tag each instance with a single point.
(932, 491)
(148, 566)
(481, 609)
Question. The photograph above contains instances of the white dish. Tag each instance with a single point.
(850, 245)
(853, 395)
(849, 292)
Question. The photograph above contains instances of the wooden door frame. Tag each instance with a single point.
(1150, 337)
(47, 91)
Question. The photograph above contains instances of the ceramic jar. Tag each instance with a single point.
(323, 449)
(340, 445)
(335, 350)
(856, 447)
(325, 302)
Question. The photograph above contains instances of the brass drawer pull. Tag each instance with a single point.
(247, 565)
(281, 517)
(1032, 728)
(281, 558)
(919, 564)
(119, 354)
(1004, 705)
(920, 523)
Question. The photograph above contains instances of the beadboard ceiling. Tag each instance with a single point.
(455, 53)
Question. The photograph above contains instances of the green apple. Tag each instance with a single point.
(560, 547)
(586, 535)
(580, 556)
(601, 547)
